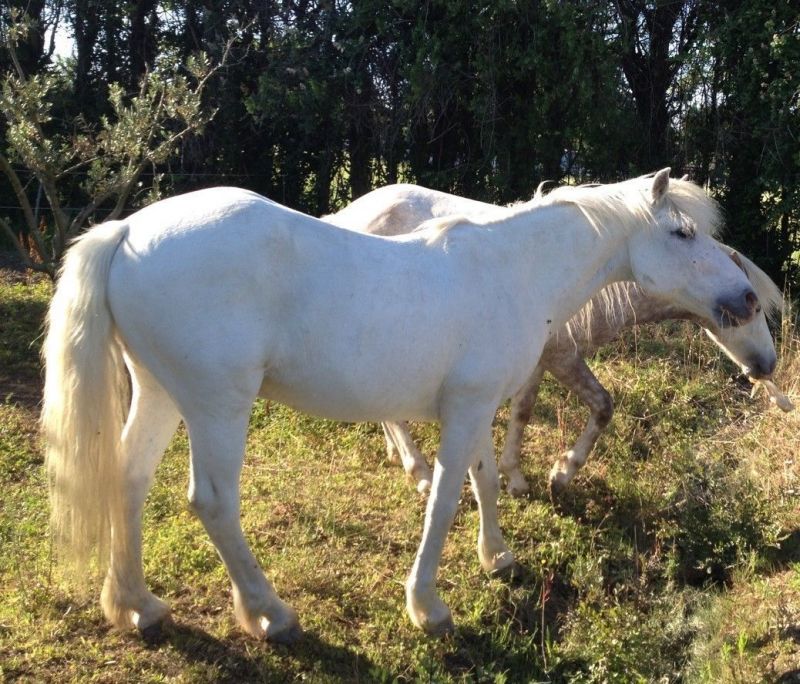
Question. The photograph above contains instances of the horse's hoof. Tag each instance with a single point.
(285, 636)
(154, 634)
(424, 486)
(517, 491)
(517, 484)
(511, 572)
(440, 629)
(556, 487)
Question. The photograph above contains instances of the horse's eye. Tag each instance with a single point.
(682, 233)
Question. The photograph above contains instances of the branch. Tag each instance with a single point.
(47, 179)
(84, 213)
(59, 217)
(126, 191)
(52, 47)
(127, 188)
(19, 191)
(43, 267)
(22, 198)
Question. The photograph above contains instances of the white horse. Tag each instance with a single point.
(214, 298)
(399, 209)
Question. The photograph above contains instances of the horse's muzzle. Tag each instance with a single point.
(736, 310)
(760, 367)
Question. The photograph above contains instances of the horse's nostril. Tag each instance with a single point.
(762, 368)
(736, 309)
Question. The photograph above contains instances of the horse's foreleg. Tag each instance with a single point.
(578, 378)
(151, 423)
(521, 409)
(217, 452)
(398, 436)
(464, 434)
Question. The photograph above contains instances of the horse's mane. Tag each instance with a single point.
(766, 290)
(630, 202)
(614, 299)
(627, 203)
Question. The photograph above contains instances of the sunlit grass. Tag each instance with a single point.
(673, 556)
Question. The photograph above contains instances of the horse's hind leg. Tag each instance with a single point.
(392, 452)
(521, 409)
(217, 451)
(151, 423)
(400, 443)
(580, 379)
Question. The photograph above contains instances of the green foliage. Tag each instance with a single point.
(141, 132)
(321, 102)
(718, 516)
(756, 48)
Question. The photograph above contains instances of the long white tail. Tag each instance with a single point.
(85, 398)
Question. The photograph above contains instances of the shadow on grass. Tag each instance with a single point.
(20, 374)
(714, 529)
(787, 553)
(232, 661)
(542, 605)
(480, 654)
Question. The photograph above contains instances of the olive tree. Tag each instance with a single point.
(142, 131)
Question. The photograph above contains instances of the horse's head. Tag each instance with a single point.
(678, 260)
(751, 345)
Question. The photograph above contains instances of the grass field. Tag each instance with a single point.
(675, 555)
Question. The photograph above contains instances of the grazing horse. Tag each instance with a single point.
(216, 297)
(399, 209)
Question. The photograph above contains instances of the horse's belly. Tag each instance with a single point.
(351, 402)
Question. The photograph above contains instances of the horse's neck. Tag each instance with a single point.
(642, 308)
(573, 261)
(617, 307)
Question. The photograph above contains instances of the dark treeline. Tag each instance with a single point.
(322, 100)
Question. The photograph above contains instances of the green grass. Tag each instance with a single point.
(673, 556)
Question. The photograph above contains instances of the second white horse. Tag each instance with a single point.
(399, 209)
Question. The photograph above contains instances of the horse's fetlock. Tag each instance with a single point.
(605, 410)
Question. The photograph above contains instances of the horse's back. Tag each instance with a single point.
(224, 287)
(398, 209)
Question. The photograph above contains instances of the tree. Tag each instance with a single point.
(757, 53)
(142, 132)
(322, 101)
(654, 39)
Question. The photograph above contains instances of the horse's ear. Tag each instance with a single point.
(685, 177)
(736, 260)
(660, 185)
